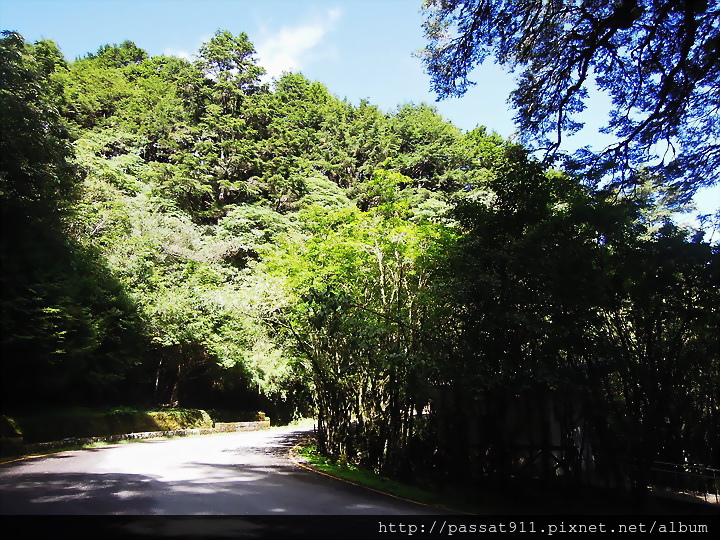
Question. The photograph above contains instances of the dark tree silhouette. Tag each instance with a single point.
(659, 60)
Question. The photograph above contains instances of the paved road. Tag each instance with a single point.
(236, 474)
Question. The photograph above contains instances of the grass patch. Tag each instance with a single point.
(299, 423)
(453, 500)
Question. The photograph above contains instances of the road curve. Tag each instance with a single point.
(246, 473)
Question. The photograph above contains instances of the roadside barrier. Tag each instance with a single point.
(220, 427)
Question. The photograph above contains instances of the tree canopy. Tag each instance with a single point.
(177, 232)
(659, 61)
(34, 143)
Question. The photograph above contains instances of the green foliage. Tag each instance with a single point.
(308, 451)
(229, 61)
(93, 92)
(67, 325)
(519, 278)
(429, 147)
(323, 192)
(119, 55)
(659, 337)
(561, 289)
(252, 229)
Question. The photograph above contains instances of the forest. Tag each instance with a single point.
(446, 304)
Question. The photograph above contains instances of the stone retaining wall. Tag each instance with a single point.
(220, 427)
(242, 426)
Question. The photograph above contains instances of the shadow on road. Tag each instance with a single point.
(249, 476)
(73, 494)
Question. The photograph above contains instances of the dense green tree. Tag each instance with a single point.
(125, 54)
(299, 109)
(354, 142)
(560, 291)
(358, 317)
(34, 142)
(657, 341)
(93, 92)
(222, 154)
(69, 331)
(428, 147)
(230, 62)
(520, 282)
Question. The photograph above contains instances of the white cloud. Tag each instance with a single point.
(182, 53)
(291, 48)
(179, 53)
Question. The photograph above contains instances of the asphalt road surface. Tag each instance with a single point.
(235, 474)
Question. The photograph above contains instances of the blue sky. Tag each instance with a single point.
(357, 48)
